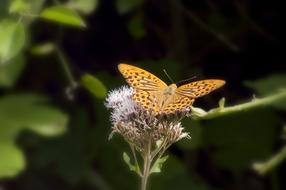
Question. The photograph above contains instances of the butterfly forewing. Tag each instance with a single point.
(141, 79)
(199, 88)
(147, 99)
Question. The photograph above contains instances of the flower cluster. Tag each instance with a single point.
(139, 126)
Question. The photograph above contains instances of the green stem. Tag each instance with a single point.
(159, 155)
(147, 164)
(267, 166)
(66, 68)
(209, 29)
(135, 159)
(155, 152)
(29, 15)
(245, 106)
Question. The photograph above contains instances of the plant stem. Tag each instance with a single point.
(216, 112)
(66, 68)
(65, 64)
(219, 36)
(267, 166)
(135, 159)
(147, 165)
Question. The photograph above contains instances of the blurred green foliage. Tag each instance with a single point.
(24, 111)
(67, 147)
(10, 71)
(95, 86)
(62, 15)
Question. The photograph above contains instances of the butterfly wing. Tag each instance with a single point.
(147, 99)
(141, 79)
(185, 95)
(147, 86)
(177, 103)
(199, 88)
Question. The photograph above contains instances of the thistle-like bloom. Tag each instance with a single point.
(139, 126)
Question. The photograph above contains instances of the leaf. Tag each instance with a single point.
(198, 112)
(12, 39)
(126, 159)
(25, 111)
(125, 6)
(241, 138)
(18, 6)
(176, 176)
(136, 27)
(268, 86)
(43, 49)
(63, 15)
(159, 164)
(11, 71)
(66, 152)
(94, 85)
(83, 6)
(12, 160)
(35, 7)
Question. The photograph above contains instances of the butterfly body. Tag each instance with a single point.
(153, 94)
(165, 96)
(171, 89)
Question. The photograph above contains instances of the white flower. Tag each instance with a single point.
(138, 125)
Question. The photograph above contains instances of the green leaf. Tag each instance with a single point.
(12, 160)
(159, 164)
(268, 86)
(198, 112)
(66, 151)
(43, 49)
(18, 6)
(83, 6)
(11, 71)
(12, 39)
(94, 86)
(125, 6)
(63, 15)
(136, 27)
(19, 112)
(241, 138)
(36, 6)
(176, 176)
(126, 159)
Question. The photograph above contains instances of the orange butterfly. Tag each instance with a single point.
(153, 94)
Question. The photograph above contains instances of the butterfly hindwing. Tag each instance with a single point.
(178, 103)
(199, 88)
(141, 79)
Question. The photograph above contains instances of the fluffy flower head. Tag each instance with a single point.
(138, 125)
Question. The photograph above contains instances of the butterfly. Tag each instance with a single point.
(155, 95)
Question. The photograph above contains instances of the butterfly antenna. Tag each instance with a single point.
(187, 79)
(168, 76)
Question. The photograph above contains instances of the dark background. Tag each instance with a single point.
(237, 41)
